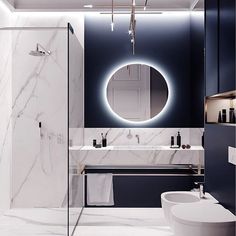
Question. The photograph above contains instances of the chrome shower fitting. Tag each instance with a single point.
(38, 52)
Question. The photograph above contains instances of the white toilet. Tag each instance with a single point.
(196, 219)
(170, 199)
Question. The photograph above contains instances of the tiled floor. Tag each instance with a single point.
(122, 222)
(34, 221)
(93, 222)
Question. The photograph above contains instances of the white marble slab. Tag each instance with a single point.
(135, 147)
(136, 157)
(5, 109)
(153, 149)
(147, 136)
(32, 222)
(123, 221)
(39, 156)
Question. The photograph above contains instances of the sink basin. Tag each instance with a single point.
(137, 147)
(170, 199)
(178, 197)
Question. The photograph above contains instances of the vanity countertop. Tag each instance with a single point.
(134, 148)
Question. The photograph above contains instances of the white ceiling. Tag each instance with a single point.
(103, 5)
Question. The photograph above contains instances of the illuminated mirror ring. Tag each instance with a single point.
(136, 93)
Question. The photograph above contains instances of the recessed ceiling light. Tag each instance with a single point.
(88, 6)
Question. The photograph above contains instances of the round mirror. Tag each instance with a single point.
(137, 92)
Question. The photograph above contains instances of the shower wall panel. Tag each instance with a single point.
(5, 110)
(39, 94)
(76, 125)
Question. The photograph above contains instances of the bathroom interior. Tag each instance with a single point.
(117, 117)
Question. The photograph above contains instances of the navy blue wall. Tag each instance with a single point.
(197, 68)
(163, 40)
(219, 173)
(220, 77)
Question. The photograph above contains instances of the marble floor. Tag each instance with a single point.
(35, 221)
(93, 222)
(122, 222)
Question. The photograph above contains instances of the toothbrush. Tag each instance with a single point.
(106, 134)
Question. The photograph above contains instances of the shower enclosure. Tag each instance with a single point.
(46, 65)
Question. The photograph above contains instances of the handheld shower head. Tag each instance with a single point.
(38, 52)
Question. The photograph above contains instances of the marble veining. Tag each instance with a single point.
(123, 221)
(32, 222)
(39, 155)
(148, 136)
(5, 118)
(153, 149)
(137, 157)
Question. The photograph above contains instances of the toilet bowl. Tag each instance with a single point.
(172, 198)
(197, 219)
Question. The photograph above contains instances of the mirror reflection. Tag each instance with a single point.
(137, 92)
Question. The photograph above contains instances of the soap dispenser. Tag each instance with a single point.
(178, 140)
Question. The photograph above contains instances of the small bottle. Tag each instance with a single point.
(231, 115)
(104, 142)
(203, 139)
(94, 143)
(178, 140)
(224, 115)
(172, 141)
(219, 117)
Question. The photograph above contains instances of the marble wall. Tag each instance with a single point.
(39, 155)
(51, 19)
(5, 109)
(33, 161)
(147, 137)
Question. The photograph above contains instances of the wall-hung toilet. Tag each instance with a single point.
(172, 198)
(197, 219)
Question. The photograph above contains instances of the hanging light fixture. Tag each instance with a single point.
(145, 5)
(112, 16)
(132, 26)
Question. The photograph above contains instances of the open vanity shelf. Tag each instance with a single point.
(216, 103)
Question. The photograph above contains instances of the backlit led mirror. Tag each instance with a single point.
(137, 92)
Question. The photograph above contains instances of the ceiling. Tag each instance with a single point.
(103, 5)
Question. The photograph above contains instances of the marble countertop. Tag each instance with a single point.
(133, 148)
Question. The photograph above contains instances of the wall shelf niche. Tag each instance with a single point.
(216, 103)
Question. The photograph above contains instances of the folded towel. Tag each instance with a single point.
(100, 189)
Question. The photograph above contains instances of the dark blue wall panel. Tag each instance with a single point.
(219, 173)
(197, 68)
(227, 81)
(163, 40)
(145, 191)
(212, 45)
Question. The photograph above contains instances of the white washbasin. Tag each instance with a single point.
(138, 147)
(170, 199)
(181, 197)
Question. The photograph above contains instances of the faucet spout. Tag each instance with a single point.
(138, 138)
(201, 189)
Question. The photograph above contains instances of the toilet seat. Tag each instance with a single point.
(197, 214)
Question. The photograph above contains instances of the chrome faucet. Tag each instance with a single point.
(138, 138)
(201, 189)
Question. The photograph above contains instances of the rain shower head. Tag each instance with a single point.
(38, 52)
